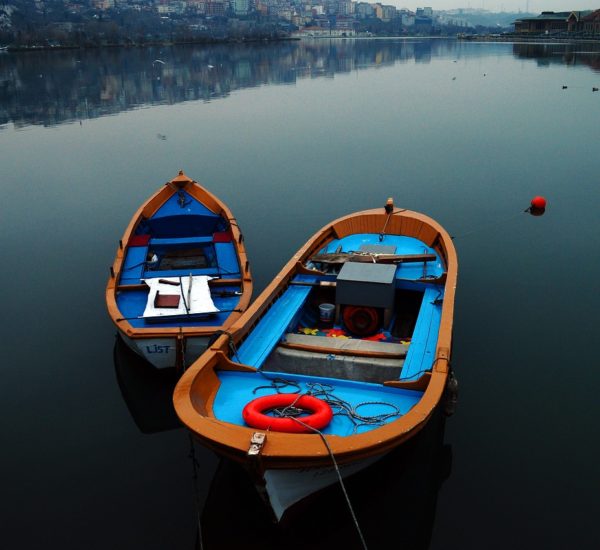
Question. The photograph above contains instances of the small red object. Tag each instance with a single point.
(139, 240)
(166, 300)
(222, 237)
(538, 203)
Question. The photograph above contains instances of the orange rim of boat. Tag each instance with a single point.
(362, 321)
(254, 413)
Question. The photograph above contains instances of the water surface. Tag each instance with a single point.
(291, 136)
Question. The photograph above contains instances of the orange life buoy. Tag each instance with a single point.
(254, 413)
(361, 320)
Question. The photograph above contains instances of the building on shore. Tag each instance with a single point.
(559, 23)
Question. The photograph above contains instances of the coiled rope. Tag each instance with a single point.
(339, 406)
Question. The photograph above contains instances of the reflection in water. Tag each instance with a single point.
(563, 54)
(52, 88)
(147, 391)
(395, 499)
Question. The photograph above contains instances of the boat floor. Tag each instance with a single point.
(367, 399)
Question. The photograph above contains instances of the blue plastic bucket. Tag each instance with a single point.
(326, 313)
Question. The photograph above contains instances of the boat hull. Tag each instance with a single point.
(162, 352)
(285, 488)
(180, 275)
(383, 366)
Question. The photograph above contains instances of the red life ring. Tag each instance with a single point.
(360, 320)
(254, 416)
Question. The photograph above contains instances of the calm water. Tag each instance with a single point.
(292, 136)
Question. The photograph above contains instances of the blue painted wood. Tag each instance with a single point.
(421, 352)
(227, 259)
(272, 326)
(133, 266)
(237, 389)
(180, 240)
(210, 271)
(192, 208)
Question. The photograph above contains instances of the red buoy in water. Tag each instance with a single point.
(539, 203)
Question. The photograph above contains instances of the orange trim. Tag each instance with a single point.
(192, 397)
(148, 209)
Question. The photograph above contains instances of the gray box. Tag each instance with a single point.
(366, 284)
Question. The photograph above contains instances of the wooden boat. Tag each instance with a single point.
(380, 364)
(180, 274)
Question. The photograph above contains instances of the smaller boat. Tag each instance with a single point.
(180, 275)
(344, 357)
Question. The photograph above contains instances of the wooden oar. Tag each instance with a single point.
(342, 257)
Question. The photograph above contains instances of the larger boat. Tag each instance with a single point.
(180, 275)
(343, 357)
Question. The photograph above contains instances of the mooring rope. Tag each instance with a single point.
(340, 479)
(195, 467)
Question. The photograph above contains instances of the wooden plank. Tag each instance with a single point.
(225, 282)
(342, 257)
(421, 352)
(141, 286)
(267, 333)
(341, 351)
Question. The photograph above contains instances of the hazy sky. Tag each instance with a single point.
(534, 6)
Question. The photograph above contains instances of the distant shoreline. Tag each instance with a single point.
(520, 38)
(213, 42)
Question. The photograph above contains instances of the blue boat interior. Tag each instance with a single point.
(371, 401)
(182, 238)
(376, 328)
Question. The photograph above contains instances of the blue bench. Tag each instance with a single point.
(180, 240)
(274, 324)
(421, 352)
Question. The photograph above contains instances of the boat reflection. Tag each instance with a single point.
(146, 390)
(395, 499)
(545, 54)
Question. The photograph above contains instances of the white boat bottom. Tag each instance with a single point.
(287, 487)
(162, 352)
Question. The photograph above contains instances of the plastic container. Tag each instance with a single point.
(326, 312)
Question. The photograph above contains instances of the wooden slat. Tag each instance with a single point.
(343, 257)
(338, 351)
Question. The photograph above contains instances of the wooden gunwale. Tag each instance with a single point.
(191, 396)
(148, 209)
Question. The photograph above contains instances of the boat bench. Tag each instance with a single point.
(273, 325)
(343, 358)
(180, 240)
(134, 267)
(421, 352)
